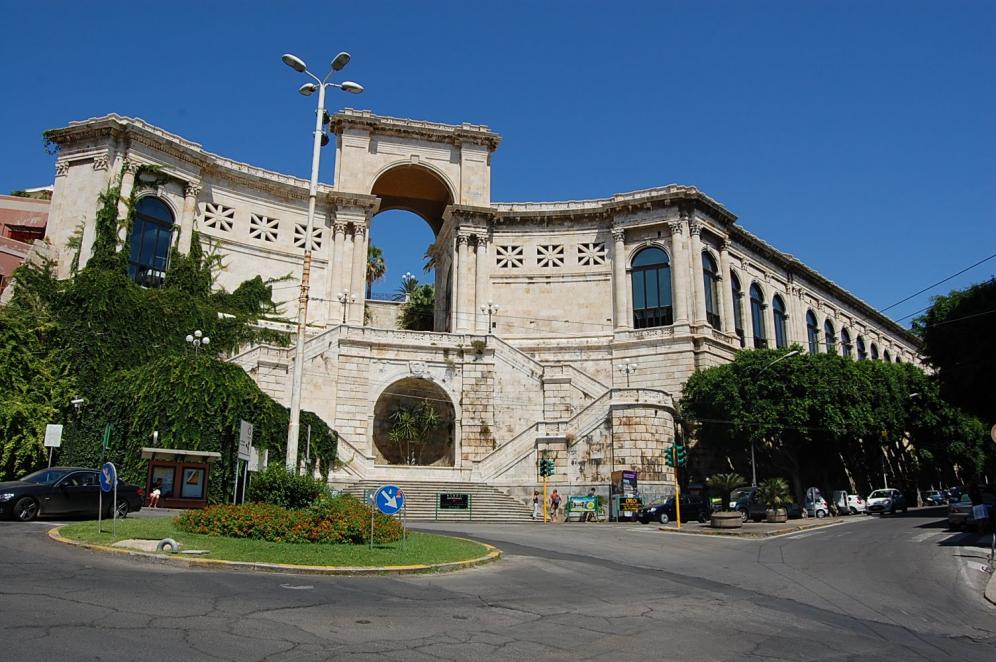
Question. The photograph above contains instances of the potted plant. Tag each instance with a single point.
(724, 518)
(774, 493)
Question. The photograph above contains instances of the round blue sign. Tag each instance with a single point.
(389, 499)
(108, 477)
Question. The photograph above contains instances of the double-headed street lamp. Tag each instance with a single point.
(197, 340)
(491, 309)
(629, 368)
(345, 298)
(320, 84)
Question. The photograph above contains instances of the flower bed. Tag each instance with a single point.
(340, 519)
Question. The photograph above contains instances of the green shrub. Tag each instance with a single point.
(331, 520)
(279, 487)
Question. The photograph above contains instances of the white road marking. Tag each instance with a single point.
(296, 588)
(923, 537)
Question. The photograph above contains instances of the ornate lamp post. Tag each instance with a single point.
(491, 309)
(629, 368)
(298, 65)
(197, 340)
(345, 298)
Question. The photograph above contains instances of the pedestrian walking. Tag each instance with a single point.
(554, 505)
(537, 506)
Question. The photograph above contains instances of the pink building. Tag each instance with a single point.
(22, 221)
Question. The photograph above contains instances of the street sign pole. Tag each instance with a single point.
(235, 488)
(677, 488)
(114, 505)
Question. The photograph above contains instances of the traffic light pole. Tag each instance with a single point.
(545, 520)
(677, 488)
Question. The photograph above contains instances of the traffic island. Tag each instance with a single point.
(418, 553)
(760, 529)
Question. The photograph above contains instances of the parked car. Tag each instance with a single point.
(886, 501)
(961, 513)
(935, 498)
(819, 508)
(64, 491)
(851, 505)
(738, 494)
(663, 511)
(794, 510)
(752, 509)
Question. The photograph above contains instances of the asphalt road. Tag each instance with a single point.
(898, 588)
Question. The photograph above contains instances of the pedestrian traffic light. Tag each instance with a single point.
(680, 453)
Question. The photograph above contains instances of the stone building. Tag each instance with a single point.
(604, 306)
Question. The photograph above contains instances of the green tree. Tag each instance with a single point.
(417, 313)
(410, 428)
(957, 334)
(725, 483)
(376, 267)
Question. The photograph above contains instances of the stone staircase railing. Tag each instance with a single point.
(580, 379)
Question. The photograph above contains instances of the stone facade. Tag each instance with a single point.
(545, 377)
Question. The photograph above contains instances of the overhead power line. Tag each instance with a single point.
(930, 287)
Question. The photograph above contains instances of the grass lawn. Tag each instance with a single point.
(419, 548)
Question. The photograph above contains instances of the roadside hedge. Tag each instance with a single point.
(342, 519)
(279, 487)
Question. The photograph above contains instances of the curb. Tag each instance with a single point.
(990, 592)
(750, 535)
(493, 554)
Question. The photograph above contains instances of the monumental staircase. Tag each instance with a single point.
(487, 504)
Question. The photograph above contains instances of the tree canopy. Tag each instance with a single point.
(827, 420)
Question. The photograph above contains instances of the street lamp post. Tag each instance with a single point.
(753, 464)
(345, 298)
(629, 368)
(490, 309)
(298, 65)
(197, 339)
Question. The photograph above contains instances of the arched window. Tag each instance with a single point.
(151, 235)
(830, 337)
(738, 307)
(874, 352)
(710, 276)
(898, 359)
(812, 332)
(886, 356)
(862, 355)
(651, 276)
(845, 343)
(778, 308)
(757, 316)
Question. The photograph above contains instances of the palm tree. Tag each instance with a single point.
(376, 267)
(726, 483)
(409, 285)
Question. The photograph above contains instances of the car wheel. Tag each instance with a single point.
(123, 508)
(820, 514)
(26, 509)
(854, 511)
(743, 516)
(663, 518)
(703, 518)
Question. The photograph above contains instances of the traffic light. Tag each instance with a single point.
(669, 456)
(680, 453)
(545, 467)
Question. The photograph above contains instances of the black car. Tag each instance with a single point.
(692, 508)
(64, 491)
(750, 507)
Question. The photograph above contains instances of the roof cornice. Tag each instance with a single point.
(350, 118)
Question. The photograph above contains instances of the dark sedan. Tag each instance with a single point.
(692, 508)
(64, 491)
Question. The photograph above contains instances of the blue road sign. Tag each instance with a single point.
(389, 499)
(108, 477)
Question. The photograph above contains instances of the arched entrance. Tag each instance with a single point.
(414, 424)
(407, 191)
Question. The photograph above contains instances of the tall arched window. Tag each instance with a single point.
(830, 337)
(812, 332)
(778, 308)
(845, 343)
(651, 276)
(862, 355)
(874, 352)
(738, 307)
(886, 356)
(710, 276)
(898, 359)
(151, 235)
(757, 316)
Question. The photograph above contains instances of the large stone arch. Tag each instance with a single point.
(415, 188)
(439, 448)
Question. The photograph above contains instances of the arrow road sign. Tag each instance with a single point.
(108, 477)
(389, 499)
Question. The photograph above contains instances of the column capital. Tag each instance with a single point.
(339, 227)
(461, 239)
(100, 162)
(676, 227)
(61, 168)
(481, 239)
(694, 228)
(725, 243)
(359, 230)
(618, 234)
(130, 166)
(192, 189)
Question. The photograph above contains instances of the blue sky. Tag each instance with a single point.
(858, 136)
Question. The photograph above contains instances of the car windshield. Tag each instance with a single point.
(738, 493)
(45, 476)
(880, 494)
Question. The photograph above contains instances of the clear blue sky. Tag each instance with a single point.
(858, 136)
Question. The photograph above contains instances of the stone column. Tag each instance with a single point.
(336, 258)
(726, 288)
(190, 193)
(454, 284)
(358, 281)
(748, 319)
(619, 285)
(346, 269)
(679, 271)
(698, 282)
(465, 311)
(481, 283)
(127, 186)
(769, 315)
